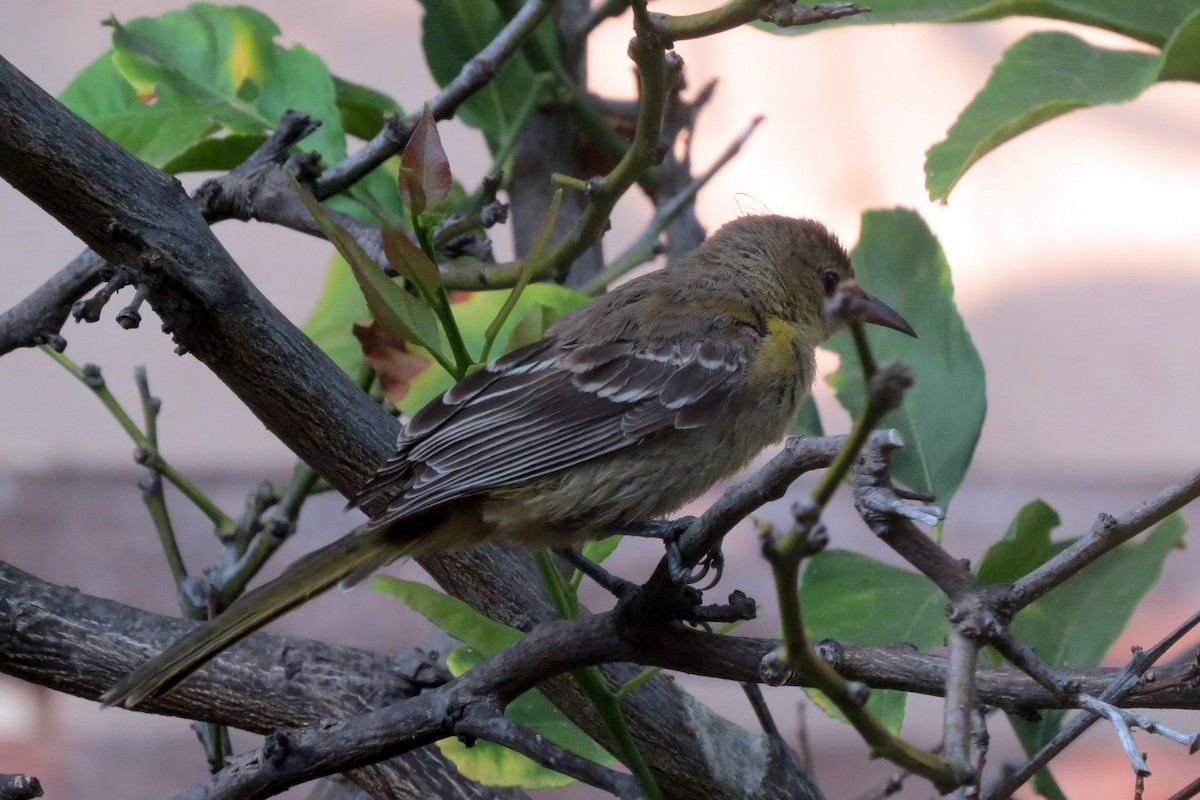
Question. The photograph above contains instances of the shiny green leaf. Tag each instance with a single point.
(224, 61)
(854, 598)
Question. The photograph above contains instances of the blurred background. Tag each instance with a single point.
(1074, 255)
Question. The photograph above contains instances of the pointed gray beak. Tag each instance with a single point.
(881, 313)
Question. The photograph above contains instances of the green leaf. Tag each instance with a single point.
(1181, 56)
(154, 133)
(531, 327)
(851, 597)
(1076, 623)
(363, 109)
(1025, 546)
(223, 62)
(398, 312)
(899, 261)
(410, 261)
(808, 420)
(473, 317)
(600, 549)
(452, 615)
(425, 180)
(452, 33)
(528, 268)
(1150, 22)
(215, 154)
(1040, 77)
(495, 765)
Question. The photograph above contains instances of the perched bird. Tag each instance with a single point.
(629, 407)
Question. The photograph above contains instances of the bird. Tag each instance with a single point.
(628, 407)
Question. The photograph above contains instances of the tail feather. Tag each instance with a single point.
(355, 555)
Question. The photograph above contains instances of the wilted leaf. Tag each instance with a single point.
(391, 359)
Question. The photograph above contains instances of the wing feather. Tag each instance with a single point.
(546, 407)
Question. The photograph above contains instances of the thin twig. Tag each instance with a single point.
(1108, 533)
(644, 248)
(784, 13)
(146, 454)
(493, 727)
(1118, 689)
(474, 74)
(786, 552)
(960, 694)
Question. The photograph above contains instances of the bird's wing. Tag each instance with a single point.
(545, 407)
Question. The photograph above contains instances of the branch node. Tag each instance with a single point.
(276, 748)
(130, 317)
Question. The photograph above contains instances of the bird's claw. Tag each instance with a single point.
(714, 562)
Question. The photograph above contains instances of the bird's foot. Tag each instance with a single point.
(671, 531)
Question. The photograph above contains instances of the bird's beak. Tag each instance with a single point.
(881, 313)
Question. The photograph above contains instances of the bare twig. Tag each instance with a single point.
(644, 248)
(960, 693)
(1121, 687)
(739, 12)
(473, 75)
(493, 727)
(1187, 792)
(1108, 533)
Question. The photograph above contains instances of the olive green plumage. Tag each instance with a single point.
(629, 407)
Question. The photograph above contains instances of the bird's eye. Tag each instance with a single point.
(830, 281)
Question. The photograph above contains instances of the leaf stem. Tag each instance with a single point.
(593, 684)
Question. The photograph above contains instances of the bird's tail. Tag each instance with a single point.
(356, 554)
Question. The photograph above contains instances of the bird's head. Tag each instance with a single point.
(794, 266)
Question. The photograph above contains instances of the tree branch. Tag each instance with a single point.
(132, 214)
